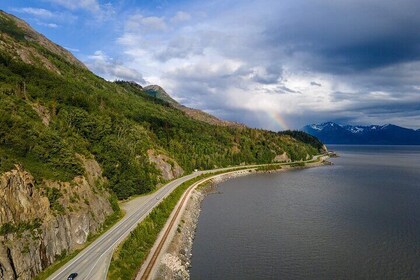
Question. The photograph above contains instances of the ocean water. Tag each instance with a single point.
(357, 219)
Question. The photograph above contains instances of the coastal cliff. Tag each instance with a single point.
(42, 222)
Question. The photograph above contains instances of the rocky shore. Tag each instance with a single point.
(176, 261)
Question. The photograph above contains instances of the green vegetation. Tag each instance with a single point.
(53, 195)
(117, 123)
(297, 164)
(8, 228)
(304, 137)
(270, 167)
(111, 220)
(9, 27)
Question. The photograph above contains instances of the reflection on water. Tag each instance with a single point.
(357, 219)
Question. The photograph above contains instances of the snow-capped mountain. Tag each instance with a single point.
(389, 134)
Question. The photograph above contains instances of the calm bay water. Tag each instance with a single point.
(357, 219)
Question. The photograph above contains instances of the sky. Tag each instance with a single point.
(269, 64)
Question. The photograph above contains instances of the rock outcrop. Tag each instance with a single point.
(282, 158)
(41, 222)
(168, 167)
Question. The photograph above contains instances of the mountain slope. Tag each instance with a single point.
(20, 40)
(71, 142)
(158, 92)
(332, 133)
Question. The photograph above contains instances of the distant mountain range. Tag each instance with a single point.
(389, 134)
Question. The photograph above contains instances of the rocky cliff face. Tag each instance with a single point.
(281, 158)
(168, 167)
(39, 222)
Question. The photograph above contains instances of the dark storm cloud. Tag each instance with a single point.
(342, 36)
(271, 74)
(282, 89)
(381, 109)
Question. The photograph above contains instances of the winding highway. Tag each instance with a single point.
(93, 262)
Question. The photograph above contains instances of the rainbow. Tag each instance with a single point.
(278, 119)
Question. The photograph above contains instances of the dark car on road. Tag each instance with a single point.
(72, 276)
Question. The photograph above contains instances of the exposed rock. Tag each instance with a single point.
(282, 157)
(35, 230)
(43, 113)
(93, 170)
(19, 200)
(30, 56)
(235, 149)
(175, 263)
(168, 167)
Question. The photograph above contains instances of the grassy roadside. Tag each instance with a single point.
(110, 221)
(267, 168)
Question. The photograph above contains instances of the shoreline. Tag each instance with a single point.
(175, 261)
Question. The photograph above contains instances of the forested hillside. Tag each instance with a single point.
(53, 110)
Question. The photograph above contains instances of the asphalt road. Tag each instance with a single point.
(93, 262)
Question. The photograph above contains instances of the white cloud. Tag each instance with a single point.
(181, 16)
(72, 49)
(140, 23)
(50, 25)
(111, 69)
(90, 5)
(40, 16)
(37, 12)
(100, 12)
(43, 16)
